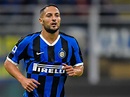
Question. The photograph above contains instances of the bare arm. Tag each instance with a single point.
(28, 84)
(74, 71)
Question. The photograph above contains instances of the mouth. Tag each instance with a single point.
(53, 24)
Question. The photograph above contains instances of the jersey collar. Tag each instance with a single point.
(50, 44)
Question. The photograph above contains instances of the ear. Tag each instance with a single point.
(41, 21)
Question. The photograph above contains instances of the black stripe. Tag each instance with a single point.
(40, 88)
(54, 86)
(35, 72)
(51, 56)
(30, 94)
(73, 59)
(80, 53)
(28, 75)
(22, 55)
(50, 74)
(11, 55)
(65, 48)
(28, 65)
(36, 48)
(63, 90)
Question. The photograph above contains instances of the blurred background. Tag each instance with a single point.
(102, 30)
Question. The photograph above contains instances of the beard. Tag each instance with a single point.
(51, 31)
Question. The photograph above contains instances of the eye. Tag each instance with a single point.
(57, 15)
(48, 15)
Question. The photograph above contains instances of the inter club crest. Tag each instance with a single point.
(62, 53)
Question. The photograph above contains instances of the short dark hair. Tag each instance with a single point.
(47, 6)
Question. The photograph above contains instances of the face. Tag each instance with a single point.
(50, 19)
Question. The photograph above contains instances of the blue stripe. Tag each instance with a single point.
(60, 86)
(48, 86)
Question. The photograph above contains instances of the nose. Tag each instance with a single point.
(54, 18)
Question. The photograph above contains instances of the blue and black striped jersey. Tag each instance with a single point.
(44, 62)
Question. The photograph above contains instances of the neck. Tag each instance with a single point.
(50, 37)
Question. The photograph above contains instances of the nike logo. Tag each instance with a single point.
(39, 53)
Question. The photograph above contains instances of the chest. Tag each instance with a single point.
(43, 52)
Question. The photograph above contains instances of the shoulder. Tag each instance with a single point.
(32, 35)
(68, 37)
(28, 37)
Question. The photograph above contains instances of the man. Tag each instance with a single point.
(49, 55)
